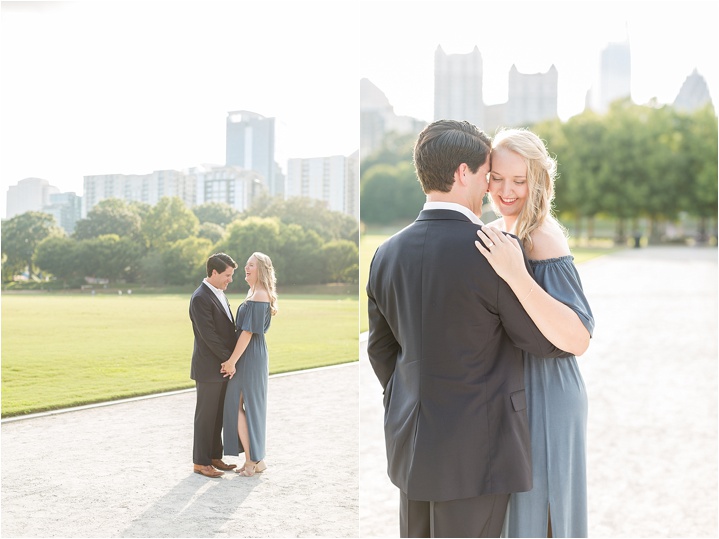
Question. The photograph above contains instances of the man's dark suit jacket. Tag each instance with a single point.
(446, 335)
(214, 336)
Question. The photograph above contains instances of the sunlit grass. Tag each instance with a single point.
(65, 350)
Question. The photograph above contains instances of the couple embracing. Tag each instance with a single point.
(230, 366)
(485, 408)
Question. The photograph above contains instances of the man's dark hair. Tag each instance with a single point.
(444, 145)
(219, 262)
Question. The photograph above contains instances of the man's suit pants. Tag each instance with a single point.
(482, 516)
(208, 422)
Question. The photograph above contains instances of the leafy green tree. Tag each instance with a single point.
(58, 255)
(308, 213)
(215, 212)
(395, 149)
(246, 236)
(109, 257)
(110, 216)
(299, 259)
(211, 231)
(20, 237)
(168, 221)
(184, 260)
(390, 193)
(580, 160)
(698, 184)
(338, 257)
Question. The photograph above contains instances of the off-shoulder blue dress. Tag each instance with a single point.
(250, 381)
(557, 409)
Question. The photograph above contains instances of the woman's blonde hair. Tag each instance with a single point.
(541, 173)
(266, 278)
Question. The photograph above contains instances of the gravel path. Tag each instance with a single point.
(651, 376)
(125, 470)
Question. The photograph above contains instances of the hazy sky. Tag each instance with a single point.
(102, 87)
(668, 40)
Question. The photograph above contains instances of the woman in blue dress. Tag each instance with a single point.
(521, 189)
(245, 409)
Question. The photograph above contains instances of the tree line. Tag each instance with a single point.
(634, 162)
(168, 244)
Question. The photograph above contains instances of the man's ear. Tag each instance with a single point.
(460, 174)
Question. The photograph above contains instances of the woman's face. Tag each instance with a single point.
(508, 182)
(251, 271)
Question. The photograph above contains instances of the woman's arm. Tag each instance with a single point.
(557, 322)
(228, 367)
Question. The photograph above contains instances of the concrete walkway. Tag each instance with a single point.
(126, 470)
(651, 375)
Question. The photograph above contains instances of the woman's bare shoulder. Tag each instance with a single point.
(260, 295)
(549, 241)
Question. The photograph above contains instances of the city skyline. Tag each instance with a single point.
(668, 40)
(103, 87)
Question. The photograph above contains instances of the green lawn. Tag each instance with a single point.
(64, 350)
(370, 242)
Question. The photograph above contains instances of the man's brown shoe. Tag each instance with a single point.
(207, 471)
(217, 463)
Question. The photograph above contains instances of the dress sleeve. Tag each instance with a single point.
(255, 317)
(561, 281)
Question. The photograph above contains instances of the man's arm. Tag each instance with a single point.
(382, 347)
(518, 324)
(520, 328)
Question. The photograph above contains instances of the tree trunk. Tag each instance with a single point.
(655, 236)
(621, 235)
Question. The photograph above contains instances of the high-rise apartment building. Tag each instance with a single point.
(334, 180)
(458, 86)
(250, 144)
(147, 188)
(234, 186)
(30, 194)
(66, 208)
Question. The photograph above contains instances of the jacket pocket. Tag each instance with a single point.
(519, 400)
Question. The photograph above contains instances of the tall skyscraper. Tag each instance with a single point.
(693, 94)
(532, 97)
(66, 208)
(458, 86)
(615, 75)
(30, 194)
(377, 119)
(250, 144)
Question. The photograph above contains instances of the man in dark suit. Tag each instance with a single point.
(446, 336)
(215, 339)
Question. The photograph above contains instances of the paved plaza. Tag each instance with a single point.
(125, 470)
(651, 377)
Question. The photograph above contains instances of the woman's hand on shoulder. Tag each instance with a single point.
(503, 252)
(549, 241)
